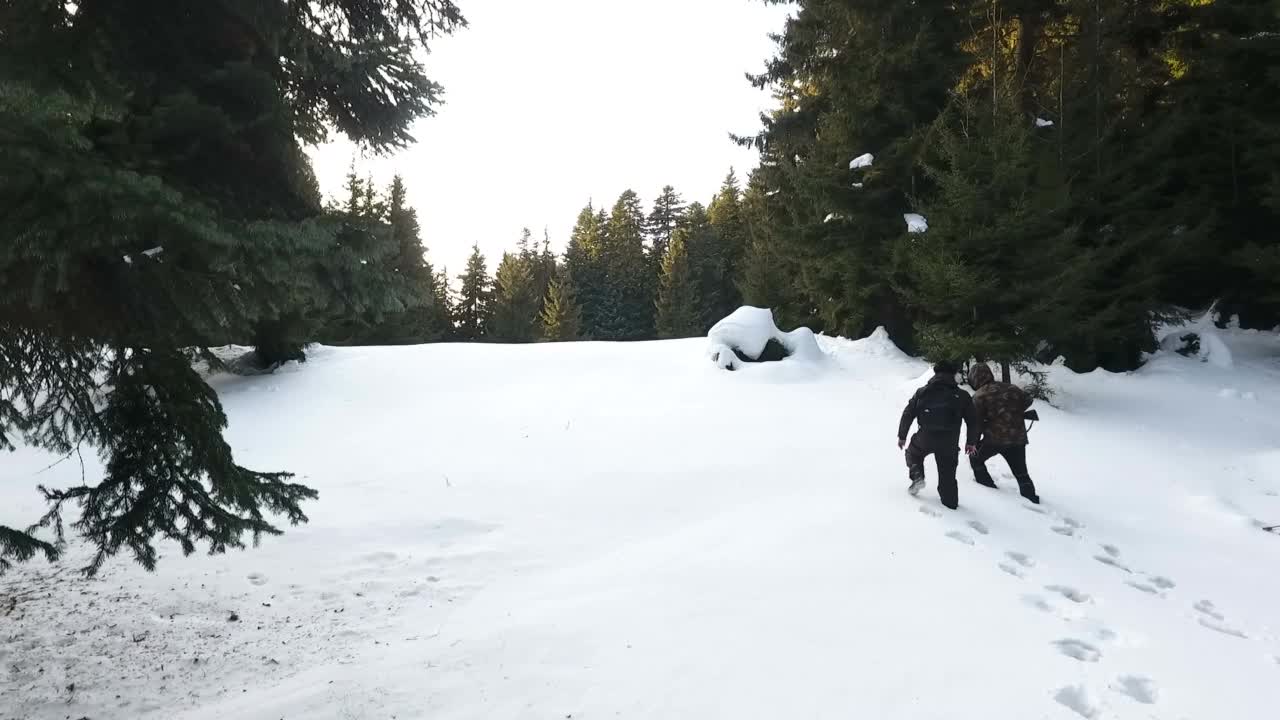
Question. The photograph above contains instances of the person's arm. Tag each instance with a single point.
(972, 425)
(908, 417)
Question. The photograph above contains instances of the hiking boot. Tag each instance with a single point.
(917, 484)
(987, 483)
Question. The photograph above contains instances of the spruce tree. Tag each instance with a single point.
(584, 264)
(666, 216)
(155, 199)
(678, 315)
(764, 278)
(626, 312)
(561, 316)
(721, 267)
(706, 266)
(515, 301)
(473, 311)
(443, 311)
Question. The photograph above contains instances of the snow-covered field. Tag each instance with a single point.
(598, 531)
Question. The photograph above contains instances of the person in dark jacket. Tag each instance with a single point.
(1000, 407)
(939, 407)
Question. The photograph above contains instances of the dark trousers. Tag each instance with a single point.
(1015, 455)
(945, 454)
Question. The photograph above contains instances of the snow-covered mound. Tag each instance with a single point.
(749, 334)
(1198, 339)
(609, 530)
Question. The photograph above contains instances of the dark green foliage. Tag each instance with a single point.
(1084, 166)
(719, 261)
(516, 303)
(765, 278)
(626, 307)
(707, 266)
(561, 316)
(679, 314)
(584, 265)
(663, 220)
(997, 275)
(473, 312)
(154, 196)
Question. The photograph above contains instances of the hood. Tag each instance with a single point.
(980, 375)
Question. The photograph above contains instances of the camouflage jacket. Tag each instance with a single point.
(1000, 407)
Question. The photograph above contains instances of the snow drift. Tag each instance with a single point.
(749, 334)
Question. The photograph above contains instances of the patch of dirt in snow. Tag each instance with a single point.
(127, 645)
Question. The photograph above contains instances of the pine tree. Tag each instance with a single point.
(155, 197)
(707, 266)
(626, 312)
(442, 305)
(764, 278)
(678, 315)
(667, 214)
(997, 276)
(584, 264)
(561, 316)
(720, 271)
(515, 302)
(545, 270)
(853, 78)
(474, 309)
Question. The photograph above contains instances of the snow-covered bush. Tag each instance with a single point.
(749, 334)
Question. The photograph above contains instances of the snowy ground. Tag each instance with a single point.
(592, 530)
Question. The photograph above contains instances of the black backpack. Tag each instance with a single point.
(937, 409)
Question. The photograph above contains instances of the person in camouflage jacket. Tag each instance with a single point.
(1000, 408)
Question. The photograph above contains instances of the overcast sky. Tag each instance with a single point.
(551, 103)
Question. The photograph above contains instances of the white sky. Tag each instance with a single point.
(549, 104)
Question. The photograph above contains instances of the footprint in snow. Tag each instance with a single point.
(257, 578)
(1138, 687)
(1078, 699)
(1035, 509)
(1078, 649)
(1148, 589)
(1108, 560)
(1064, 530)
(1206, 607)
(978, 527)
(1012, 569)
(1162, 582)
(1037, 602)
(1069, 593)
(1111, 550)
(1223, 628)
(931, 512)
(1022, 559)
(1071, 523)
(960, 537)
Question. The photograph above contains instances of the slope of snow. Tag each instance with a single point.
(597, 530)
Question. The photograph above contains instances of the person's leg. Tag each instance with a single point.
(1016, 456)
(978, 461)
(947, 460)
(915, 454)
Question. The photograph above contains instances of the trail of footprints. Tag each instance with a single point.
(1078, 698)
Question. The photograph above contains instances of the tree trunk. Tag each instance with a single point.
(1005, 376)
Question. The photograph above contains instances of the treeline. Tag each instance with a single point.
(624, 275)
(1083, 167)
